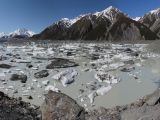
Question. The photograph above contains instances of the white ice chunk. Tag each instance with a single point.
(138, 64)
(2, 75)
(50, 51)
(52, 88)
(66, 77)
(103, 90)
(91, 96)
(45, 82)
(34, 80)
(10, 87)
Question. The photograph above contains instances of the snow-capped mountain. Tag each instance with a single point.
(19, 33)
(22, 32)
(108, 24)
(66, 22)
(110, 13)
(152, 20)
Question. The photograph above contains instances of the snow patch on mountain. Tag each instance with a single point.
(109, 13)
(137, 18)
(69, 22)
(156, 11)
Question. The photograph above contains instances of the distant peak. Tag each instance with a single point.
(110, 13)
(111, 8)
(22, 31)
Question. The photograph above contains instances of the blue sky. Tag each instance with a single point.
(38, 14)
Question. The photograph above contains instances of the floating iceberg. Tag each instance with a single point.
(66, 77)
(103, 90)
(52, 88)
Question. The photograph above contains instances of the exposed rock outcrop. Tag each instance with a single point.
(21, 77)
(152, 20)
(58, 106)
(61, 63)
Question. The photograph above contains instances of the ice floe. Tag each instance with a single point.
(66, 77)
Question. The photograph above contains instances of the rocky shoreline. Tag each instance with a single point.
(16, 109)
(58, 106)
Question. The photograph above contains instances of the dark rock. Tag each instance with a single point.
(30, 97)
(58, 106)
(128, 69)
(5, 66)
(41, 74)
(16, 77)
(14, 109)
(24, 79)
(136, 54)
(128, 50)
(81, 91)
(94, 56)
(69, 54)
(1, 95)
(13, 60)
(2, 58)
(61, 63)
(129, 62)
(136, 78)
(29, 65)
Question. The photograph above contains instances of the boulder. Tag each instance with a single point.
(6, 66)
(29, 65)
(58, 106)
(41, 74)
(61, 63)
(16, 77)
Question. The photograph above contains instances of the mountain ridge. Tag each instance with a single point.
(108, 24)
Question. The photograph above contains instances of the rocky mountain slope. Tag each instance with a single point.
(19, 33)
(109, 24)
(152, 20)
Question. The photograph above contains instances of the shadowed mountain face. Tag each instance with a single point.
(109, 24)
(152, 20)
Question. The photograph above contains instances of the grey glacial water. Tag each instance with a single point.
(144, 79)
